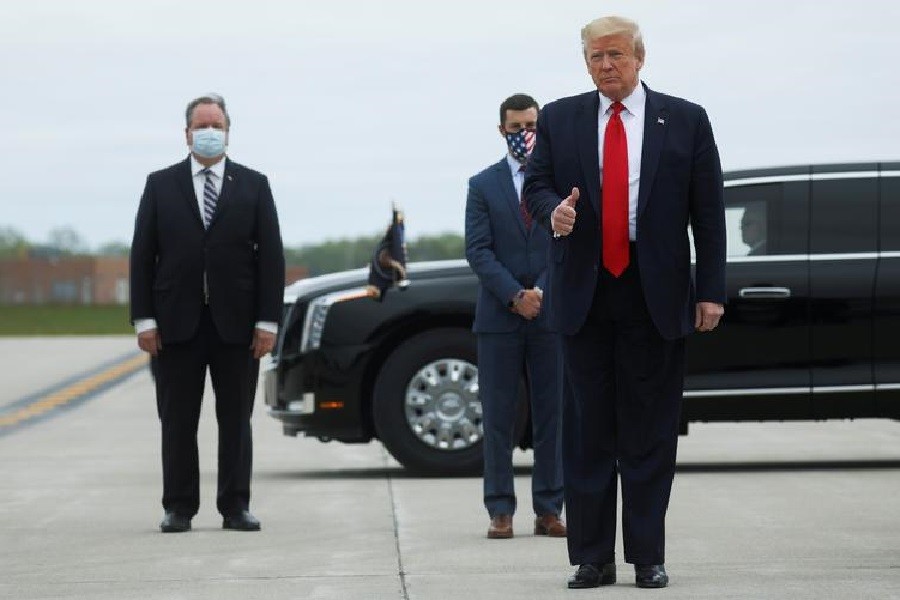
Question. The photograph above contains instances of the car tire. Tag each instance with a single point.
(433, 349)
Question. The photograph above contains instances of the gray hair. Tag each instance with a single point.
(605, 26)
(207, 99)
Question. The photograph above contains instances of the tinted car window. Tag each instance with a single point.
(890, 213)
(766, 219)
(844, 215)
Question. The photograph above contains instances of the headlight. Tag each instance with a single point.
(317, 313)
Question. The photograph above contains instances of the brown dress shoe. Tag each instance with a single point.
(501, 527)
(549, 525)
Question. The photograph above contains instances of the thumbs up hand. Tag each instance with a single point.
(562, 219)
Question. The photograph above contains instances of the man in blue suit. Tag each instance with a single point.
(509, 256)
(618, 174)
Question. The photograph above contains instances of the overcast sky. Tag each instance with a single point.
(347, 105)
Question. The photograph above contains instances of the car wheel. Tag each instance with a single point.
(426, 407)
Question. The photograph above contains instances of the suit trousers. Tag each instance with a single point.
(502, 360)
(180, 372)
(622, 407)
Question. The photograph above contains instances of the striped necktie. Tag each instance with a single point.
(210, 197)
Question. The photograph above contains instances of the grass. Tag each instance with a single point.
(24, 320)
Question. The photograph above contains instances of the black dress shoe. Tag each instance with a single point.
(650, 576)
(242, 521)
(592, 575)
(174, 523)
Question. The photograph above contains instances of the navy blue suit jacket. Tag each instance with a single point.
(680, 184)
(502, 254)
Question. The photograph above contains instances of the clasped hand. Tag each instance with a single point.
(529, 305)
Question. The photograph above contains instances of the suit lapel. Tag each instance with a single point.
(186, 183)
(508, 190)
(588, 151)
(655, 126)
(228, 182)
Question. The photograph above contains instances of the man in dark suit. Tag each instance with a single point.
(207, 281)
(753, 228)
(509, 256)
(618, 174)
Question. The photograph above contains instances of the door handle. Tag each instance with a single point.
(765, 292)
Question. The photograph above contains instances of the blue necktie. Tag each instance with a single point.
(209, 198)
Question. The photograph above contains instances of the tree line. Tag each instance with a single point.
(339, 255)
(326, 257)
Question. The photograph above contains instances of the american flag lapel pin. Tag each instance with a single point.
(660, 120)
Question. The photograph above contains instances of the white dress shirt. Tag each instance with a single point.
(633, 120)
(518, 176)
(199, 180)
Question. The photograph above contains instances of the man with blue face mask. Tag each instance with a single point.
(207, 278)
(515, 344)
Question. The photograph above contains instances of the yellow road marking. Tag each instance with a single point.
(76, 390)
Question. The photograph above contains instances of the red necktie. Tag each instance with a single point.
(615, 194)
(523, 209)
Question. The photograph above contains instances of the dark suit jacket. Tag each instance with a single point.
(680, 183)
(502, 254)
(241, 254)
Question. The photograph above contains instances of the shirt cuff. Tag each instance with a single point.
(515, 299)
(267, 326)
(142, 325)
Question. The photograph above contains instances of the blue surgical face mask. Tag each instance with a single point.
(208, 142)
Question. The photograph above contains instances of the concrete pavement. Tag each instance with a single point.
(805, 510)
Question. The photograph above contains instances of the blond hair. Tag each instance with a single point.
(612, 25)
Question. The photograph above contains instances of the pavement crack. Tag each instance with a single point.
(390, 486)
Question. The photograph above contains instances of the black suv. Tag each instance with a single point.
(811, 328)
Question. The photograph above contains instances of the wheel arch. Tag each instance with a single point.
(392, 338)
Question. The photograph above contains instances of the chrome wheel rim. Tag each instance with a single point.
(442, 406)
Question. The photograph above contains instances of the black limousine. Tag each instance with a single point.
(810, 332)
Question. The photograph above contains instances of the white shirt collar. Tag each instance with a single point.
(217, 169)
(634, 103)
(513, 164)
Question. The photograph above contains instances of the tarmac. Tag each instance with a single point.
(759, 510)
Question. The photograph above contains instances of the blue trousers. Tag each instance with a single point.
(502, 359)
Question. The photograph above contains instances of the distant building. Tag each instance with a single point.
(51, 278)
(294, 272)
